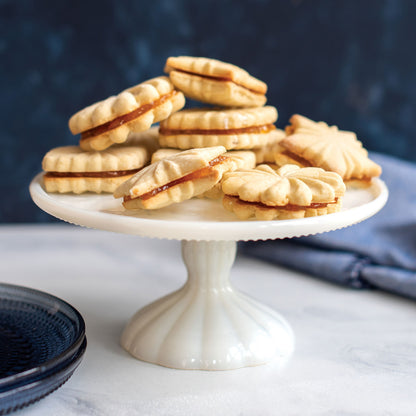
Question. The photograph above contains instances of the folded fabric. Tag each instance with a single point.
(379, 252)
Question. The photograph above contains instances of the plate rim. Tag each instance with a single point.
(193, 230)
(67, 369)
(35, 372)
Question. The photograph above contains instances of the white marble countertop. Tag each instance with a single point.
(355, 350)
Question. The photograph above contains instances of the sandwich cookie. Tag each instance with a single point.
(133, 110)
(241, 159)
(71, 169)
(243, 128)
(215, 82)
(286, 193)
(175, 178)
(317, 144)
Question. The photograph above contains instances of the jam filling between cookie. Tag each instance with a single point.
(105, 174)
(125, 118)
(298, 159)
(221, 79)
(265, 128)
(287, 207)
(198, 174)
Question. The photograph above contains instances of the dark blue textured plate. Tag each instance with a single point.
(42, 341)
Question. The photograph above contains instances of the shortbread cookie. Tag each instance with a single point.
(133, 110)
(71, 169)
(175, 179)
(244, 128)
(317, 144)
(289, 192)
(163, 153)
(241, 159)
(215, 82)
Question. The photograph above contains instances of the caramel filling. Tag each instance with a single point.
(204, 172)
(220, 79)
(266, 128)
(298, 159)
(105, 174)
(125, 118)
(287, 207)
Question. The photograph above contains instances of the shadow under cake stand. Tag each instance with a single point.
(206, 324)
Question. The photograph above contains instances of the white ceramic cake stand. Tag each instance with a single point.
(206, 324)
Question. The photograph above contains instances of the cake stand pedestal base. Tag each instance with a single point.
(207, 324)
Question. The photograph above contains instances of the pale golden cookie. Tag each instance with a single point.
(163, 153)
(71, 169)
(317, 144)
(243, 159)
(243, 128)
(175, 179)
(289, 192)
(133, 110)
(215, 82)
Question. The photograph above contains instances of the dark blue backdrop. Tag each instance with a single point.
(350, 63)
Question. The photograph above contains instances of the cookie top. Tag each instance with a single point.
(126, 101)
(288, 185)
(134, 154)
(163, 153)
(216, 69)
(329, 148)
(243, 159)
(168, 170)
(204, 120)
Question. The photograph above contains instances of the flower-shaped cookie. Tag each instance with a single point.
(215, 82)
(320, 145)
(134, 110)
(175, 179)
(288, 192)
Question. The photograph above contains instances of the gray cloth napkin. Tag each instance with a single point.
(379, 252)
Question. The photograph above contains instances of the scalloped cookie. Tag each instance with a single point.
(241, 159)
(243, 128)
(71, 169)
(288, 192)
(215, 82)
(317, 144)
(133, 110)
(175, 179)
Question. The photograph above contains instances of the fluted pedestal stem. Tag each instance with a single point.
(207, 324)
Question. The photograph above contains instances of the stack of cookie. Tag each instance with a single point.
(232, 150)
(116, 141)
(241, 122)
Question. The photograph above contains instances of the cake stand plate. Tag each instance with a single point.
(206, 324)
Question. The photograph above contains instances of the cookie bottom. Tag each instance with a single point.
(246, 210)
(230, 141)
(82, 185)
